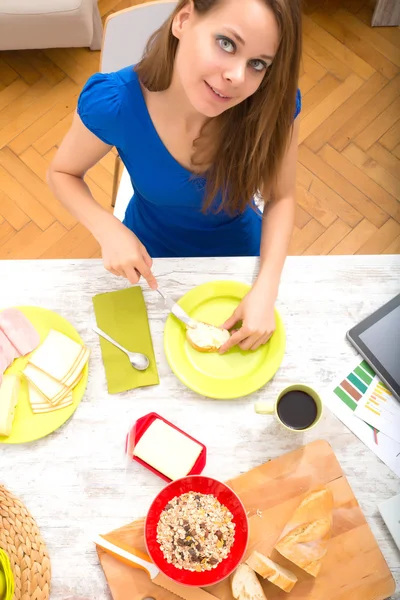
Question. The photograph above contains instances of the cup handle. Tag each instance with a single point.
(264, 408)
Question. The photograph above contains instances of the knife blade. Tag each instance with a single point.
(139, 560)
(177, 311)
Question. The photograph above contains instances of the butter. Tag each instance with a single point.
(9, 392)
(167, 450)
(204, 336)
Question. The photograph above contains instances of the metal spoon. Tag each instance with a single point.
(138, 361)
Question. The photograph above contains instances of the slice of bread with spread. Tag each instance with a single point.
(207, 338)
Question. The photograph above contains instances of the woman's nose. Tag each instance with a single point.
(235, 73)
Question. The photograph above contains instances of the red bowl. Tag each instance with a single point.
(227, 497)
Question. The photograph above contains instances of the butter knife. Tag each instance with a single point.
(177, 311)
(138, 560)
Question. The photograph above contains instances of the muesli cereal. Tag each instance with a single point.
(195, 532)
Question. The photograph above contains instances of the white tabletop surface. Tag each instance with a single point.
(75, 482)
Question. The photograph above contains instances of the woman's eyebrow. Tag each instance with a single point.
(241, 41)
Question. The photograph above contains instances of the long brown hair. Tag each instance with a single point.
(249, 140)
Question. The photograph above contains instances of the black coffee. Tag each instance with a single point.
(297, 410)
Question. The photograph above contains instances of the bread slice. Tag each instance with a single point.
(245, 585)
(207, 338)
(268, 569)
(304, 540)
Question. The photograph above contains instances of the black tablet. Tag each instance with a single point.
(377, 339)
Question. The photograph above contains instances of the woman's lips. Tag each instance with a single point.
(217, 95)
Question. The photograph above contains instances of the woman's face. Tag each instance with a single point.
(223, 55)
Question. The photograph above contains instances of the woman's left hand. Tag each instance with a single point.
(256, 311)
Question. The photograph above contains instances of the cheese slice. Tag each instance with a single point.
(57, 356)
(72, 378)
(40, 404)
(49, 387)
(9, 392)
(167, 450)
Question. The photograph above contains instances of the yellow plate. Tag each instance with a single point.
(234, 374)
(28, 426)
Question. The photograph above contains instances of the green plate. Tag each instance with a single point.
(28, 426)
(234, 374)
(7, 584)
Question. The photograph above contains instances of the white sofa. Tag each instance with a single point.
(33, 24)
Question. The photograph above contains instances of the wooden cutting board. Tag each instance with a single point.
(354, 568)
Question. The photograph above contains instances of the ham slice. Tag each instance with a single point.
(7, 351)
(20, 332)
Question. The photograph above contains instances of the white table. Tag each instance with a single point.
(74, 481)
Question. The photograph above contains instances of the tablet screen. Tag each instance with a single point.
(383, 340)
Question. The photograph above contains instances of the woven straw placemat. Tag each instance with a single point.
(21, 539)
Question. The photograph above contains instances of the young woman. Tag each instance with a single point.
(206, 121)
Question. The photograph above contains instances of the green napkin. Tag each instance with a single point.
(6, 577)
(123, 316)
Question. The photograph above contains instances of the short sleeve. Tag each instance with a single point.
(99, 107)
(298, 104)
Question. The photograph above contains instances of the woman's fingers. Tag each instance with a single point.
(115, 272)
(135, 269)
(234, 340)
(132, 275)
(248, 342)
(245, 340)
(146, 272)
(261, 341)
(146, 257)
(231, 322)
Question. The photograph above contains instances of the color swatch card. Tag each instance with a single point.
(348, 400)
(380, 409)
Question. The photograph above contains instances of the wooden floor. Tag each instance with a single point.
(349, 158)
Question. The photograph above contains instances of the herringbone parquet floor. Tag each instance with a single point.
(348, 181)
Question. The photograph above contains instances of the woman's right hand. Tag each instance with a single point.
(124, 254)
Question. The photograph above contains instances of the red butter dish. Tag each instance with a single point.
(139, 429)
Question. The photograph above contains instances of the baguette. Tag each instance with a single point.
(268, 569)
(245, 585)
(304, 540)
(206, 338)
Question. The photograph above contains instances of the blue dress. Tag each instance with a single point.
(165, 210)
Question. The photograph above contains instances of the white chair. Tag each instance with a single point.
(125, 37)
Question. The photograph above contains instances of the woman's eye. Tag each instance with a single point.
(226, 45)
(258, 65)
